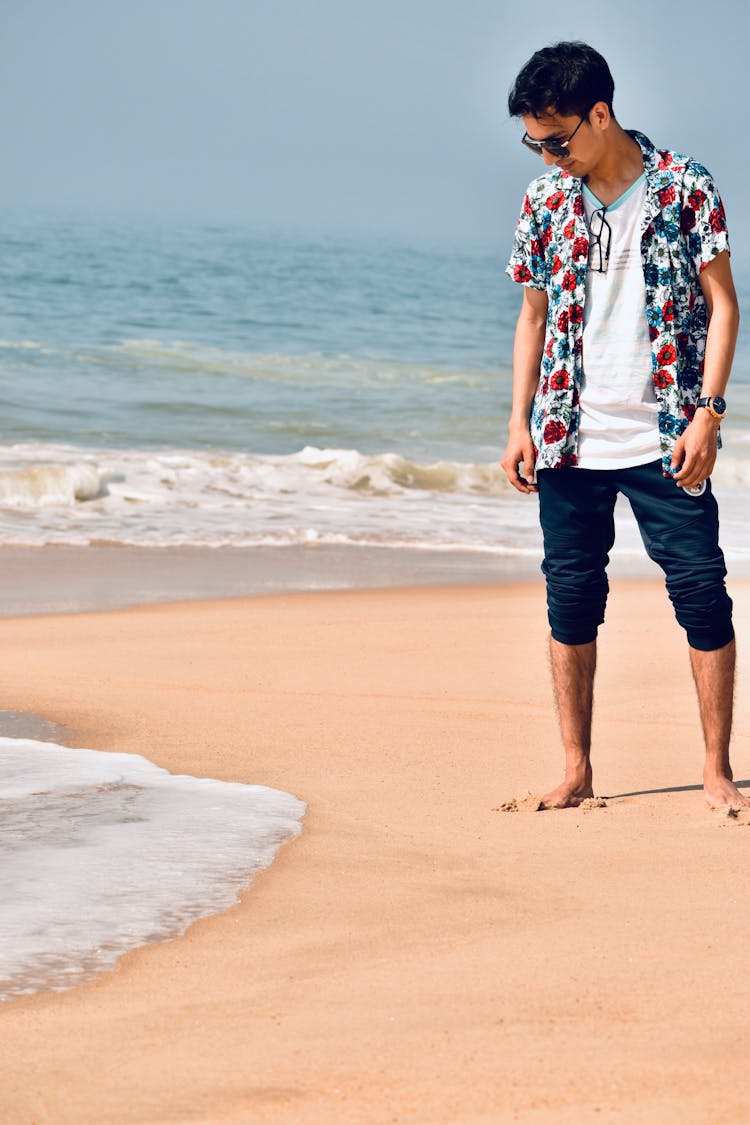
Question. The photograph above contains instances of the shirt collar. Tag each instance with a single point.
(650, 155)
(573, 185)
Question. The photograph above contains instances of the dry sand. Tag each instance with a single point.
(413, 955)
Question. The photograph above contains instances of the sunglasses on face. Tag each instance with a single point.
(554, 146)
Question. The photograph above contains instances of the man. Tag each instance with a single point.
(622, 354)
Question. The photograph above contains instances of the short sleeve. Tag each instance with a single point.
(703, 220)
(526, 264)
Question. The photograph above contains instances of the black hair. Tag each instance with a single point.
(567, 77)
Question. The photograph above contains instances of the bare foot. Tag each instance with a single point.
(720, 792)
(569, 794)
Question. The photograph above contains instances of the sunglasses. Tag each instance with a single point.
(599, 240)
(554, 146)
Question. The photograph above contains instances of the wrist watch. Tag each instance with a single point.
(715, 405)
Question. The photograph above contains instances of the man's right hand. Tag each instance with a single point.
(519, 460)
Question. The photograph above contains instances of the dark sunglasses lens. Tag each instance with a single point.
(554, 148)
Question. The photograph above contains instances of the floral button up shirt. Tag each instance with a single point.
(683, 229)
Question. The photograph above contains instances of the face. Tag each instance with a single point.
(582, 150)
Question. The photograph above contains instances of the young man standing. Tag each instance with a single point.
(622, 354)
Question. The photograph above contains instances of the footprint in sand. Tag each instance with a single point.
(735, 812)
(530, 803)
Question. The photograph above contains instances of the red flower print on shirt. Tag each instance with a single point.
(665, 159)
(667, 195)
(521, 273)
(556, 265)
(578, 205)
(666, 355)
(555, 201)
(562, 321)
(575, 312)
(570, 228)
(662, 379)
(717, 219)
(554, 431)
(580, 249)
(546, 236)
(560, 380)
(527, 206)
(696, 199)
(569, 280)
(667, 310)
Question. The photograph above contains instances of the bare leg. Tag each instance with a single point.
(573, 668)
(713, 673)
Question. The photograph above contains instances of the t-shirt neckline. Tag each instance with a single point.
(618, 202)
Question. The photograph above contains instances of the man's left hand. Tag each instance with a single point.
(695, 450)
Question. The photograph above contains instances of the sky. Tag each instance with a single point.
(381, 118)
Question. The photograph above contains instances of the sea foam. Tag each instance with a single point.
(65, 494)
(40, 485)
(101, 853)
(54, 493)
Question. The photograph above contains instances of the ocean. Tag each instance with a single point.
(207, 386)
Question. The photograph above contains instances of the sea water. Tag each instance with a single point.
(210, 386)
(101, 853)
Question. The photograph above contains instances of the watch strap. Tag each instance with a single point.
(707, 401)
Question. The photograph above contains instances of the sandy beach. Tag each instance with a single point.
(415, 955)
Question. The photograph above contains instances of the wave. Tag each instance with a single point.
(388, 473)
(191, 357)
(35, 474)
(23, 345)
(65, 494)
(49, 485)
(237, 476)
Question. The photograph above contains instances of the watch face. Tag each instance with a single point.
(719, 405)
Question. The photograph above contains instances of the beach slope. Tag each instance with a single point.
(416, 954)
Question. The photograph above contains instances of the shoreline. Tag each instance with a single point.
(63, 579)
(414, 954)
(54, 579)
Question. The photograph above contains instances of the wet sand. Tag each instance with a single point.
(72, 579)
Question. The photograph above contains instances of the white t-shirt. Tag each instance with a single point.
(618, 408)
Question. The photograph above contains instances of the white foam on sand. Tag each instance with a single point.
(101, 853)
